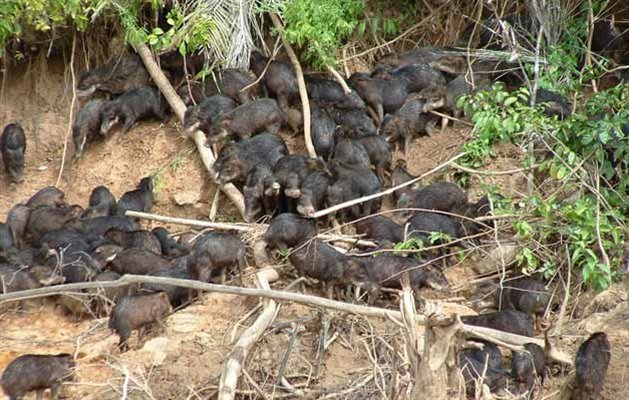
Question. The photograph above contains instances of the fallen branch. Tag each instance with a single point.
(240, 227)
(71, 116)
(564, 304)
(493, 173)
(502, 338)
(266, 66)
(339, 79)
(178, 106)
(451, 118)
(301, 83)
(234, 365)
(214, 206)
(363, 199)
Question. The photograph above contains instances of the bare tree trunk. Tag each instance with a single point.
(180, 109)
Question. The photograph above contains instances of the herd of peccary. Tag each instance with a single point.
(46, 241)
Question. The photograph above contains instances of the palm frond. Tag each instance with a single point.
(233, 32)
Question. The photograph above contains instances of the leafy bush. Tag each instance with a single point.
(46, 15)
(588, 152)
(498, 115)
(42, 16)
(320, 26)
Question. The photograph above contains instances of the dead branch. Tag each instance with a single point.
(240, 227)
(501, 338)
(254, 385)
(234, 365)
(493, 173)
(410, 334)
(402, 35)
(71, 116)
(180, 109)
(339, 79)
(214, 206)
(432, 374)
(303, 93)
(289, 349)
(446, 116)
(564, 304)
(360, 200)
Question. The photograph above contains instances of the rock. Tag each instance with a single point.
(498, 259)
(189, 197)
(158, 349)
(606, 300)
(185, 322)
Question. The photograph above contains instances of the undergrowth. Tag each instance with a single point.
(576, 210)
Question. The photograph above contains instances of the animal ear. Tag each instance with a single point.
(164, 296)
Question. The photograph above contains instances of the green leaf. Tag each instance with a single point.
(510, 101)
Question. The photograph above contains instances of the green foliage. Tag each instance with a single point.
(42, 16)
(174, 165)
(46, 15)
(438, 237)
(498, 115)
(320, 27)
(592, 139)
(388, 27)
(283, 254)
(411, 244)
(587, 153)
(185, 37)
(386, 19)
(129, 15)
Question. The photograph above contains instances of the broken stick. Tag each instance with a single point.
(240, 227)
(360, 200)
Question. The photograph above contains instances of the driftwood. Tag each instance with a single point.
(180, 109)
(234, 365)
(505, 339)
(301, 83)
(240, 227)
